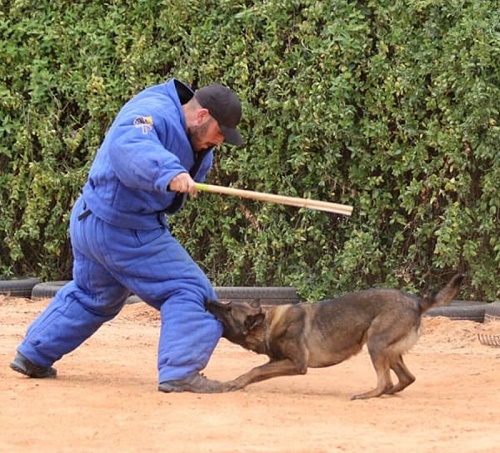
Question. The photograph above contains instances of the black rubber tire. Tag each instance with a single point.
(18, 287)
(272, 295)
(47, 290)
(133, 299)
(276, 295)
(489, 340)
(492, 312)
(461, 310)
(265, 295)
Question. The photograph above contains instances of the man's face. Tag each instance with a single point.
(205, 135)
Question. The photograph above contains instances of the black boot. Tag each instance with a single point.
(24, 366)
(196, 383)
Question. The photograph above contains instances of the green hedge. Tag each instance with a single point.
(389, 106)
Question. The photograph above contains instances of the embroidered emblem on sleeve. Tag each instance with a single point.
(145, 123)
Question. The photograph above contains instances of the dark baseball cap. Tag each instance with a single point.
(225, 107)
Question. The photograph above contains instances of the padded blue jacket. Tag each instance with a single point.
(143, 150)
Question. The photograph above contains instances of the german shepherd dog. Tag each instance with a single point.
(314, 335)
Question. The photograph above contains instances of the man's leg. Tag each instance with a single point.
(189, 335)
(166, 277)
(78, 309)
(71, 317)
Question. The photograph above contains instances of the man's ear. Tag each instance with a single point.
(202, 116)
(254, 321)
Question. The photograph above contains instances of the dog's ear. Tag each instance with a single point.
(209, 300)
(254, 321)
(218, 306)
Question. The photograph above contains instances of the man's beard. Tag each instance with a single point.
(196, 135)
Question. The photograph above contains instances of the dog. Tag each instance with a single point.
(296, 337)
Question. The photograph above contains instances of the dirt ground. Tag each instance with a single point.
(105, 397)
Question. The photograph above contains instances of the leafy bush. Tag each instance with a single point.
(390, 107)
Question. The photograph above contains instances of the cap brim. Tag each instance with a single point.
(232, 136)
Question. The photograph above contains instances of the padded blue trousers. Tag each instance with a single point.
(109, 264)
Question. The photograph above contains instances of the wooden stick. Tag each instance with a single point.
(281, 199)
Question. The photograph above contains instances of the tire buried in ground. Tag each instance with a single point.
(18, 287)
(47, 290)
(265, 295)
(461, 310)
(492, 312)
(272, 295)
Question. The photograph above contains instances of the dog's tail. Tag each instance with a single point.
(445, 296)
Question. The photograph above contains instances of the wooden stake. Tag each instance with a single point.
(280, 199)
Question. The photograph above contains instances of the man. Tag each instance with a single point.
(160, 143)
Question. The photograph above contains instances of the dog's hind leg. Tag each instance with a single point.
(384, 383)
(403, 373)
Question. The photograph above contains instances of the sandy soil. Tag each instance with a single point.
(105, 397)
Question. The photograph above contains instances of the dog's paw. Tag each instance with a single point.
(231, 386)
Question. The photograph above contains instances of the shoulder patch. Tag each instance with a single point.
(145, 123)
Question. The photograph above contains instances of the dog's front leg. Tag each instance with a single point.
(267, 371)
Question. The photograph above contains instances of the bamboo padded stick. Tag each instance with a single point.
(280, 199)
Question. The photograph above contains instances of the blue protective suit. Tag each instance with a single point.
(122, 244)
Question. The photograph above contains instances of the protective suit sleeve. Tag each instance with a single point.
(138, 157)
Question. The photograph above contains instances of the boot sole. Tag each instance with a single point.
(186, 388)
(170, 389)
(46, 374)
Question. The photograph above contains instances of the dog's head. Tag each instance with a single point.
(238, 318)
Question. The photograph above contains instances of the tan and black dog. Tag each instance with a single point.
(300, 336)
